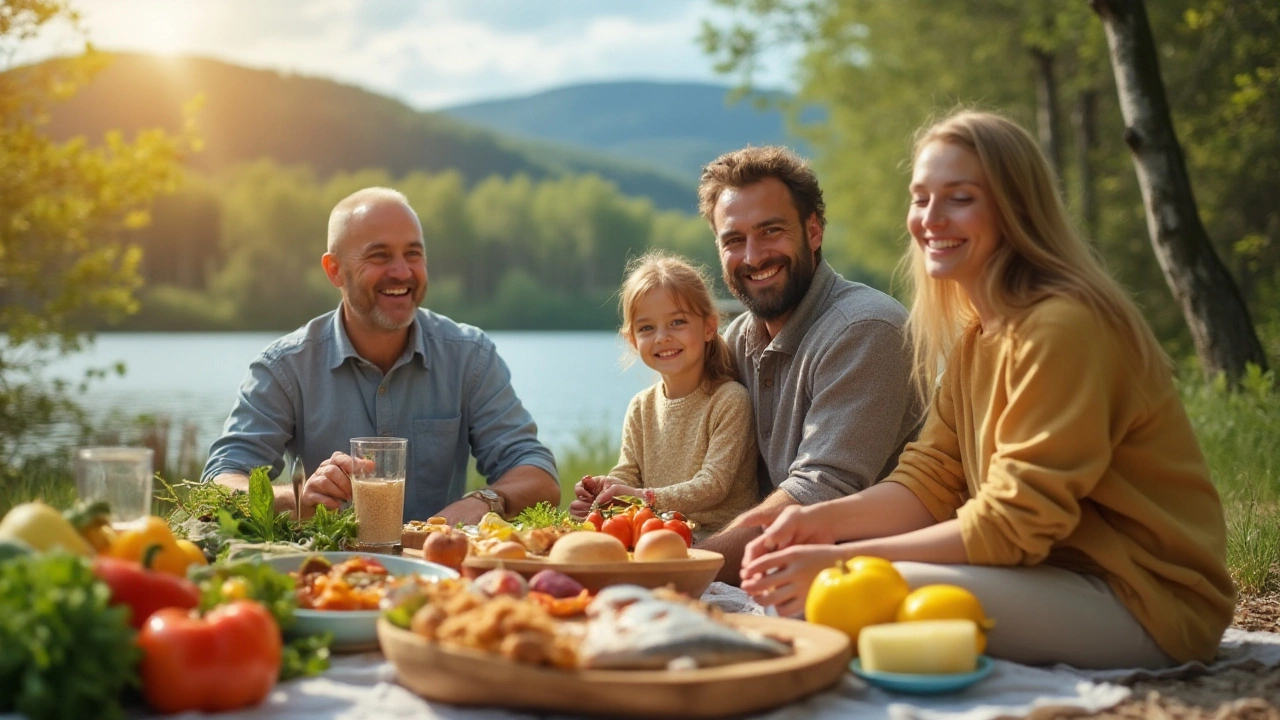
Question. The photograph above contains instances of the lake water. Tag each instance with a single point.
(570, 382)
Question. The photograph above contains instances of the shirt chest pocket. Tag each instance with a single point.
(438, 460)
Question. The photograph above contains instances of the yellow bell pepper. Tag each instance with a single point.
(852, 595)
(136, 544)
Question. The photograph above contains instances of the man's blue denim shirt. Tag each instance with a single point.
(450, 394)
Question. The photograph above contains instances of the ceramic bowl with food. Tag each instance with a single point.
(353, 630)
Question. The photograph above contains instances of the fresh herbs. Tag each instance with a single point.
(219, 515)
(544, 515)
(333, 530)
(223, 583)
(64, 651)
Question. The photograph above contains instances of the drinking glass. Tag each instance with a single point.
(121, 476)
(377, 490)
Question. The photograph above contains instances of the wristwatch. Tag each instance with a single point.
(497, 503)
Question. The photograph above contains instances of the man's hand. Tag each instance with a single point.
(329, 485)
(731, 541)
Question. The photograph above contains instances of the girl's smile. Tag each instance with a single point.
(671, 340)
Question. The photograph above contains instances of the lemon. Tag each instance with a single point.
(946, 602)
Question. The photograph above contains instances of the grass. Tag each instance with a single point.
(1239, 432)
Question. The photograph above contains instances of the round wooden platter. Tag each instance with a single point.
(690, 576)
(470, 677)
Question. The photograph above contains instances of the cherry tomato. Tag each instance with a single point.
(620, 527)
(674, 515)
(642, 516)
(682, 528)
(596, 518)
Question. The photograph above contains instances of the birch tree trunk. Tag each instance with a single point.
(1211, 303)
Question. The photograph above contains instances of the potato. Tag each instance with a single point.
(588, 547)
(508, 550)
(661, 545)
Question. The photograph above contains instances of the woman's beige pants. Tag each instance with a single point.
(1047, 615)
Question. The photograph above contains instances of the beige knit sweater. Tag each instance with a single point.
(697, 453)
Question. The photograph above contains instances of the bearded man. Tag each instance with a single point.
(825, 359)
(381, 366)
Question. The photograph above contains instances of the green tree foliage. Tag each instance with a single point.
(65, 210)
(508, 253)
(882, 68)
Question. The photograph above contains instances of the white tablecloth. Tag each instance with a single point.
(364, 686)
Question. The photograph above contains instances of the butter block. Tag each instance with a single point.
(932, 647)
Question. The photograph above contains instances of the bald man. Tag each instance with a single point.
(380, 365)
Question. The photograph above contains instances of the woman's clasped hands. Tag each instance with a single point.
(779, 566)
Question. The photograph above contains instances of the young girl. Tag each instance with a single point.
(687, 442)
(1056, 476)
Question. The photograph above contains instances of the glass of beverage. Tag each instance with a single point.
(121, 476)
(377, 490)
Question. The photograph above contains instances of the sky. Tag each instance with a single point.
(427, 53)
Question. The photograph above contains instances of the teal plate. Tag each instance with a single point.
(924, 684)
(353, 630)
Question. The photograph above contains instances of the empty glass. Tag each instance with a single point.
(121, 476)
(377, 490)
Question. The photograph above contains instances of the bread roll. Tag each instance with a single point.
(661, 545)
(588, 547)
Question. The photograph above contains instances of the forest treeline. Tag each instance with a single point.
(241, 250)
(882, 68)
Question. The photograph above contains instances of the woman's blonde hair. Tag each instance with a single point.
(662, 270)
(1039, 254)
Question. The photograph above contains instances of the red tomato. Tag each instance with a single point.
(650, 524)
(642, 516)
(620, 527)
(596, 518)
(682, 528)
(675, 515)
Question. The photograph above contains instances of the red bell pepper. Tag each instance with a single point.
(144, 591)
(226, 660)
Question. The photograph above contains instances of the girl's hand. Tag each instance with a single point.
(782, 578)
(787, 526)
(614, 489)
(584, 493)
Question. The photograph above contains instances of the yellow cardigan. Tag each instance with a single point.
(1051, 446)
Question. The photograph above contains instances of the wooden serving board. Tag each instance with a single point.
(471, 677)
(690, 576)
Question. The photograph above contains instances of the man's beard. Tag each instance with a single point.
(365, 306)
(769, 304)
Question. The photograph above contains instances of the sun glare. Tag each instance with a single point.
(160, 28)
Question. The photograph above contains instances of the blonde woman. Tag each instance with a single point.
(1057, 476)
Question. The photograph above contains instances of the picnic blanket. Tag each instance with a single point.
(364, 686)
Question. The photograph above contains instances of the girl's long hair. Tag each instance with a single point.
(1039, 254)
(662, 270)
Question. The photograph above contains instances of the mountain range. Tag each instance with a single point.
(677, 127)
